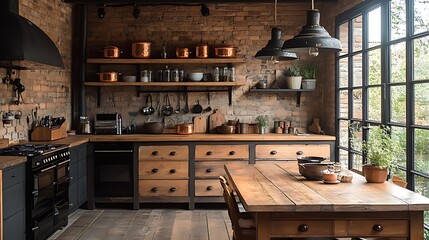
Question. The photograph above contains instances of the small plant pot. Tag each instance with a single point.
(294, 82)
(309, 84)
(262, 130)
(374, 174)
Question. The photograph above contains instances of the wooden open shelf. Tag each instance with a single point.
(165, 84)
(166, 61)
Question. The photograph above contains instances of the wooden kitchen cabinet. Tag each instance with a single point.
(78, 177)
(163, 173)
(209, 162)
(14, 202)
(291, 151)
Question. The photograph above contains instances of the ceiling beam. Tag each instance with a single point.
(182, 2)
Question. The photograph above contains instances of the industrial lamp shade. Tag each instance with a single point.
(313, 36)
(274, 48)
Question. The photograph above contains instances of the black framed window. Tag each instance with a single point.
(383, 78)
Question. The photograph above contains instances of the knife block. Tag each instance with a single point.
(49, 134)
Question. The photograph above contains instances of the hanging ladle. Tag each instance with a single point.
(208, 109)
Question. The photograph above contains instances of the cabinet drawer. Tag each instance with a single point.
(73, 172)
(13, 175)
(219, 152)
(388, 227)
(290, 152)
(162, 188)
(212, 169)
(314, 227)
(208, 188)
(14, 227)
(150, 153)
(163, 170)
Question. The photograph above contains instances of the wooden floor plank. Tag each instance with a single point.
(146, 224)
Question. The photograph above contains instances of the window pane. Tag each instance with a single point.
(421, 104)
(356, 136)
(357, 70)
(422, 187)
(401, 134)
(374, 28)
(344, 157)
(344, 72)
(344, 133)
(357, 34)
(357, 161)
(397, 62)
(398, 104)
(357, 103)
(344, 38)
(421, 150)
(374, 67)
(421, 60)
(344, 104)
(397, 19)
(374, 106)
(421, 18)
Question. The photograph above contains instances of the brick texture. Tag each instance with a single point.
(48, 90)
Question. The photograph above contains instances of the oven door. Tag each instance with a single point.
(63, 180)
(43, 190)
(42, 225)
(113, 173)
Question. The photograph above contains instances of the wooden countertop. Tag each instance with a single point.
(9, 161)
(208, 137)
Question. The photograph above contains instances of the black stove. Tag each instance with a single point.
(47, 186)
(38, 154)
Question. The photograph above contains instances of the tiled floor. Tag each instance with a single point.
(146, 224)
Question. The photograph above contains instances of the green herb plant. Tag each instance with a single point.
(382, 149)
(293, 71)
(262, 120)
(308, 72)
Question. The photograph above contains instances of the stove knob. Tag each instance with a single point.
(37, 163)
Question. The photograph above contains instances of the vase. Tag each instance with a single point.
(375, 174)
(294, 82)
(261, 129)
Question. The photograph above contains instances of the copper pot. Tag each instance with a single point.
(182, 52)
(202, 51)
(141, 49)
(108, 76)
(111, 52)
(225, 51)
(186, 128)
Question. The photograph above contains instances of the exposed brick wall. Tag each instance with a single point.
(247, 26)
(49, 90)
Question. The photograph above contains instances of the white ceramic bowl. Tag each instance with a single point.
(196, 76)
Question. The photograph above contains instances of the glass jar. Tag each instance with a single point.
(175, 75)
(216, 74)
(181, 75)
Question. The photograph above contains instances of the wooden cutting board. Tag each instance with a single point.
(216, 119)
(200, 124)
(4, 142)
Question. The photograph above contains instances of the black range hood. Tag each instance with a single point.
(23, 45)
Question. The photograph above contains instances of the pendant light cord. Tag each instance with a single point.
(275, 12)
(312, 4)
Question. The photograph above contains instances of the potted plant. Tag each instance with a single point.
(293, 77)
(308, 74)
(262, 123)
(382, 151)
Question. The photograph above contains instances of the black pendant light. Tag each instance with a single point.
(313, 37)
(273, 50)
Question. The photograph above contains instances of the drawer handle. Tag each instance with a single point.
(209, 153)
(173, 170)
(173, 189)
(209, 188)
(154, 189)
(13, 176)
(155, 170)
(377, 228)
(154, 153)
(173, 153)
(299, 153)
(274, 152)
(209, 170)
(232, 153)
(303, 228)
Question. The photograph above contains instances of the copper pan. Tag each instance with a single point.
(111, 52)
(141, 49)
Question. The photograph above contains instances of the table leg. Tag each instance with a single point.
(416, 225)
(263, 222)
